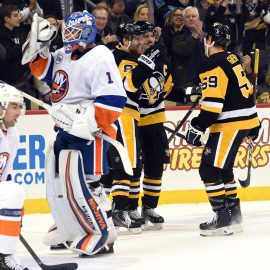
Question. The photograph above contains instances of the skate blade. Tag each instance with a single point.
(125, 231)
(149, 226)
(237, 228)
(224, 231)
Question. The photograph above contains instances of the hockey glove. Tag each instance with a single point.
(194, 133)
(151, 56)
(61, 119)
(254, 133)
(38, 42)
(194, 92)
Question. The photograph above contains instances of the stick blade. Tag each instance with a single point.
(245, 183)
(63, 266)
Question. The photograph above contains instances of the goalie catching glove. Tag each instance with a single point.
(77, 120)
(194, 133)
(39, 39)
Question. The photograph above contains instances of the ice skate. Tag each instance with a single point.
(134, 215)
(153, 221)
(236, 216)
(219, 225)
(123, 223)
(10, 262)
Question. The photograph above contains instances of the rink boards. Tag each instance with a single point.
(181, 181)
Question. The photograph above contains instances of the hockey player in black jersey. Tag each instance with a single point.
(135, 66)
(229, 111)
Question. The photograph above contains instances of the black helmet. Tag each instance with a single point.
(220, 33)
(128, 30)
(146, 26)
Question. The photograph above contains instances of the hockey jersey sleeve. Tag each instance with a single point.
(215, 82)
(110, 94)
(42, 68)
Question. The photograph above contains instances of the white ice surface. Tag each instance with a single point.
(177, 246)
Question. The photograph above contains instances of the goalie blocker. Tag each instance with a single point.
(82, 215)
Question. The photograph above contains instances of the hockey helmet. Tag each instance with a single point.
(78, 28)
(145, 26)
(129, 30)
(9, 94)
(220, 33)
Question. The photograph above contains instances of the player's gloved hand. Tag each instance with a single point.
(151, 56)
(39, 39)
(254, 133)
(61, 119)
(194, 92)
(194, 133)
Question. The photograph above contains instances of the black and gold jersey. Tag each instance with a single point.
(228, 100)
(152, 94)
(126, 62)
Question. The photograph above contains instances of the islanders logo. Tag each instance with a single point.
(60, 85)
(3, 162)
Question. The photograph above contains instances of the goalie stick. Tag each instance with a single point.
(119, 147)
(245, 183)
(63, 266)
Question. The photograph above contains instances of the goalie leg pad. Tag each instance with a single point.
(88, 221)
(62, 214)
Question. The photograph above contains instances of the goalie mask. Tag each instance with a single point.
(9, 94)
(78, 29)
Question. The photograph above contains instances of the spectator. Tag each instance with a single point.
(101, 15)
(141, 13)
(27, 9)
(12, 72)
(223, 12)
(57, 42)
(187, 50)
(174, 23)
(254, 28)
(165, 7)
(116, 15)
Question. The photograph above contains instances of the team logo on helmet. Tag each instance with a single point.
(60, 85)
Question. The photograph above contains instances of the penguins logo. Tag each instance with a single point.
(60, 85)
(153, 87)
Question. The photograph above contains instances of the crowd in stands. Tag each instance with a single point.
(180, 26)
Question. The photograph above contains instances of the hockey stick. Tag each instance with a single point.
(180, 135)
(256, 71)
(63, 266)
(194, 104)
(245, 183)
(119, 147)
